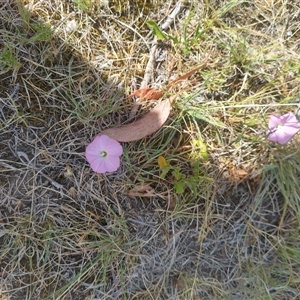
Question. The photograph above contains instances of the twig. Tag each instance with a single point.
(150, 65)
(147, 76)
(179, 6)
(151, 62)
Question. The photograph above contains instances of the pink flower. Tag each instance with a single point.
(103, 154)
(282, 128)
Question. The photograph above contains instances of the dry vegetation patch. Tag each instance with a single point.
(222, 223)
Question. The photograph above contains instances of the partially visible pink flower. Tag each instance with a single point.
(282, 128)
(103, 154)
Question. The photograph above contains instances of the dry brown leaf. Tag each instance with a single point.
(147, 93)
(143, 190)
(143, 127)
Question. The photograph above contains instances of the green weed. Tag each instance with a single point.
(8, 60)
(85, 5)
(43, 33)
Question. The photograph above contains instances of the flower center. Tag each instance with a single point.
(103, 154)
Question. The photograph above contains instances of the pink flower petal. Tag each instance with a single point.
(99, 166)
(91, 150)
(289, 116)
(100, 142)
(272, 137)
(291, 121)
(112, 163)
(289, 130)
(282, 137)
(274, 121)
(114, 148)
(282, 128)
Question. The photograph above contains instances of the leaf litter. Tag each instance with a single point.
(154, 119)
(142, 190)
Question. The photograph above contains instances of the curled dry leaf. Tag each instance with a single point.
(147, 93)
(143, 190)
(143, 127)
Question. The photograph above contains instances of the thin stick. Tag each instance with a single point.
(151, 62)
(179, 6)
(150, 65)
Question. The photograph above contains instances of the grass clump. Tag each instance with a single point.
(221, 216)
(8, 60)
